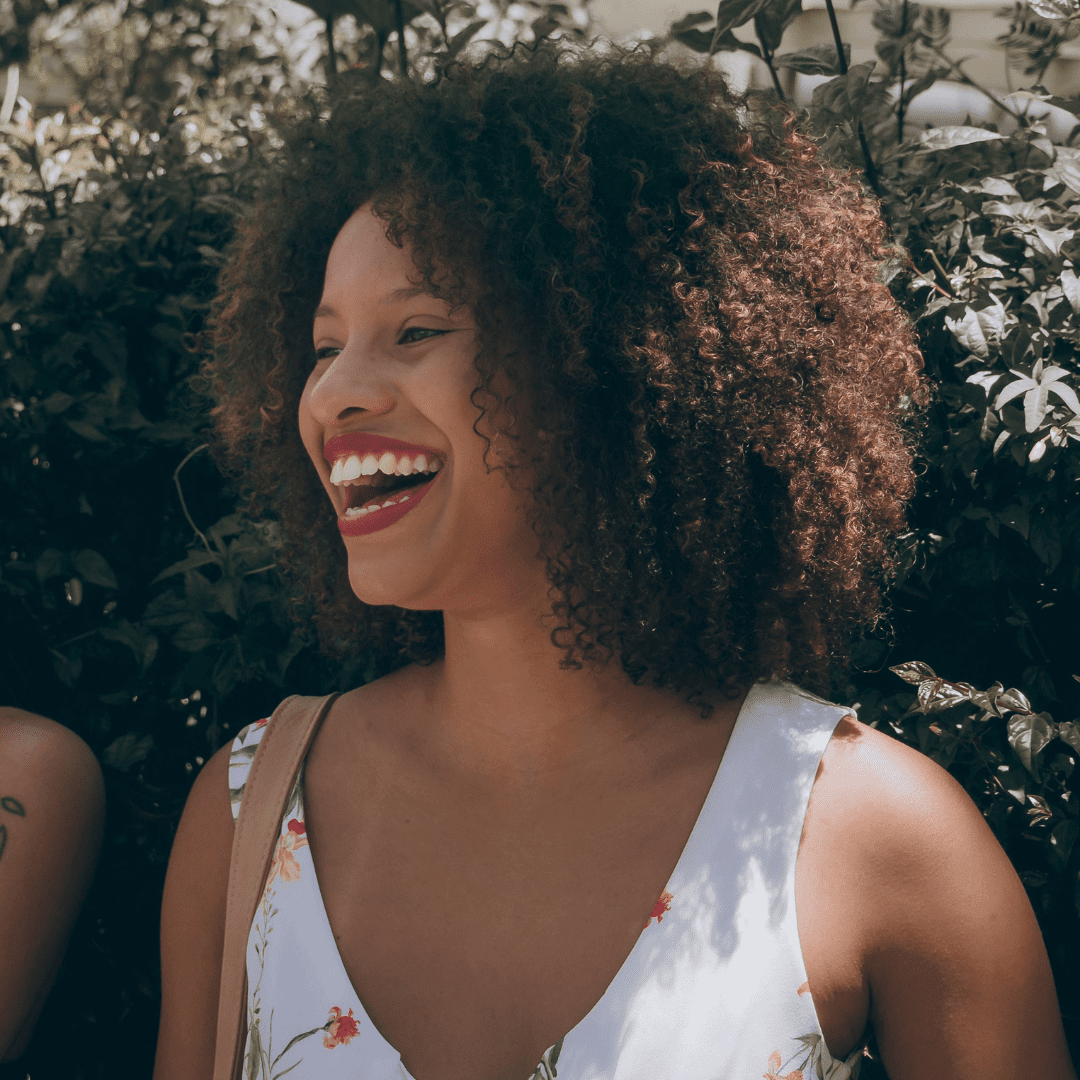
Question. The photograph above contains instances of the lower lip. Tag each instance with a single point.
(383, 518)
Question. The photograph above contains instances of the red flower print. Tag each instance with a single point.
(775, 1061)
(261, 723)
(660, 907)
(340, 1029)
(285, 862)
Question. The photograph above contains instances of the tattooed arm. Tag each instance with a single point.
(52, 811)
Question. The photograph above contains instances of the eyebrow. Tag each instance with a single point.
(390, 298)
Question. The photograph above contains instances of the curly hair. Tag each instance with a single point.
(711, 382)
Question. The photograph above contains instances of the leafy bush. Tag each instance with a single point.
(142, 609)
(986, 228)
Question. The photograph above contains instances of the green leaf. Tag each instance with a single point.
(1035, 402)
(57, 402)
(845, 95)
(50, 563)
(733, 13)
(1070, 286)
(815, 60)
(1028, 735)
(949, 136)
(87, 431)
(977, 330)
(771, 23)
(195, 559)
(195, 636)
(695, 18)
(914, 671)
(129, 750)
(94, 568)
(1061, 842)
(463, 37)
(1066, 167)
(1065, 392)
(1070, 733)
(67, 669)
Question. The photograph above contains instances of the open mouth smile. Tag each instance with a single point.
(382, 478)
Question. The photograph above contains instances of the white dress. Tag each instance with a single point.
(713, 989)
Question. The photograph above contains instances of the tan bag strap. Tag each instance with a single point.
(270, 780)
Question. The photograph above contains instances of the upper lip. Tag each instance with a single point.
(364, 442)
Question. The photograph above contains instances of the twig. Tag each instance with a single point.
(331, 52)
(937, 262)
(716, 32)
(902, 72)
(11, 94)
(183, 504)
(403, 55)
(767, 56)
(841, 62)
(967, 79)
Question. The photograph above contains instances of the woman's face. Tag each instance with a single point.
(387, 419)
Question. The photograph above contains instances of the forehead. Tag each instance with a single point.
(362, 254)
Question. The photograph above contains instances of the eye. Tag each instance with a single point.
(426, 331)
(323, 353)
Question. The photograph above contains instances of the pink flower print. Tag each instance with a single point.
(285, 862)
(660, 907)
(775, 1062)
(804, 989)
(340, 1029)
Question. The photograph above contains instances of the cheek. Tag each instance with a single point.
(310, 433)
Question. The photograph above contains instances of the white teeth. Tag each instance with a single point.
(347, 470)
(386, 504)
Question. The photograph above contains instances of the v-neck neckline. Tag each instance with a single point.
(705, 813)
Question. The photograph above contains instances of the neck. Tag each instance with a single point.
(505, 708)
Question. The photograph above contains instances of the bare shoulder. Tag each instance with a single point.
(193, 925)
(52, 817)
(39, 750)
(928, 915)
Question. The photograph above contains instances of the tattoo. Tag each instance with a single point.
(12, 806)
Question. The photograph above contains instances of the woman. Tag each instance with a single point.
(601, 441)
(52, 816)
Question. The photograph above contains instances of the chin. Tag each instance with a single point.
(387, 589)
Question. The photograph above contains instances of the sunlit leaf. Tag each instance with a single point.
(1028, 735)
(978, 330)
(950, 136)
(914, 671)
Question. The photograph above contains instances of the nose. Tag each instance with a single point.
(352, 382)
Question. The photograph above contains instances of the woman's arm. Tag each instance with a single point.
(193, 927)
(947, 948)
(52, 814)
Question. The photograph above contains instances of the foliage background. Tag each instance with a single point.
(142, 609)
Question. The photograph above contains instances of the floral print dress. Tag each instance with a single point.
(713, 989)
